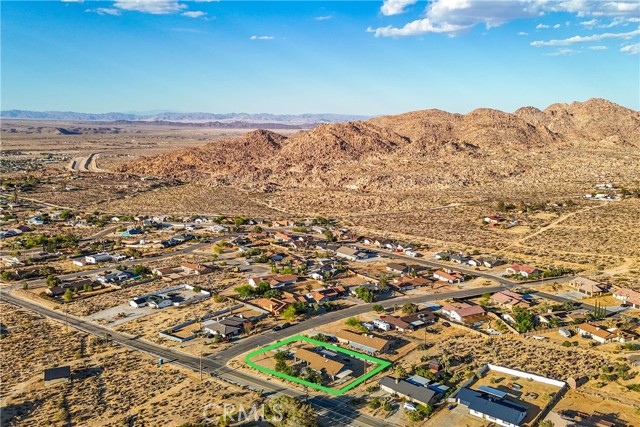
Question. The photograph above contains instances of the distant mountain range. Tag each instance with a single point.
(289, 119)
(418, 150)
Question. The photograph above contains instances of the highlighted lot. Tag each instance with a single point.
(348, 356)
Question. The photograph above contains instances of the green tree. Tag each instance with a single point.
(245, 291)
(272, 293)
(66, 214)
(141, 270)
(353, 322)
(410, 308)
(525, 320)
(400, 373)
(365, 294)
(262, 288)
(53, 281)
(293, 413)
(289, 312)
(377, 308)
(68, 295)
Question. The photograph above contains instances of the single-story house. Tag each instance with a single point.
(74, 285)
(191, 268)
(408, 390)
(164, 271)
(463, 312)
(324, 272)
(36, 220)
(522, 270)
(398, 323)
(492, 407)
(216, 327)
(281, 237)
(352, 254)
(272, 305)
(587, 286)
(367, 343)
(404, 246)
(628, 296)
(603, 336)
(510, 299)
(419, 318)
(406, 282)
(96, 258)
(489, 262)
(319, 363)
(397, 267)
(459, 258)
(596, 333)
(115, 277)
(451, 278)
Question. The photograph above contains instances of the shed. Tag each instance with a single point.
(57, 375)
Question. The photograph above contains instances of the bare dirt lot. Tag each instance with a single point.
(108, 384)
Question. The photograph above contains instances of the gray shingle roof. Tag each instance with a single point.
(405, 388)
(490, 405)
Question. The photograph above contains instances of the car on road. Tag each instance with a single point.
(281, 327)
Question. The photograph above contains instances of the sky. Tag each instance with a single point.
(292, 57)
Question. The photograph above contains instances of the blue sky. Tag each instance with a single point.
(363, 57)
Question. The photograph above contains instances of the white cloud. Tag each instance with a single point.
(590, 24)
(583, 39)
(395, 7)
(420, 26)
(456, 16)
(323, 18)
(561, 52)
(522, 33)
(631, 49)
(598, 47)
(261, 38)
(541, 26)
(556, 26)
(194, 14)
(155, 7)
(72, 1)
(107, 11)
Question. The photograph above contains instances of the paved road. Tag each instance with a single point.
(334, 410)
(560, 299)
(254, 342)
(85, 164)
(420, 261)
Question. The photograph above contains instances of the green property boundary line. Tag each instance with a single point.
(382, 364)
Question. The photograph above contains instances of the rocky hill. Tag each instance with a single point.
(429, 148)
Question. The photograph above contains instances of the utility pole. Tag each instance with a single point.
(200, 365)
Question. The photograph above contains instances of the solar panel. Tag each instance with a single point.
(493, 391)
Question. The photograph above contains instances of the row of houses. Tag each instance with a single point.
(461, 258)
(276, 306)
